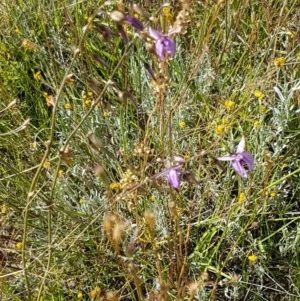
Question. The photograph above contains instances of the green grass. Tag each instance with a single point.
(83, 215)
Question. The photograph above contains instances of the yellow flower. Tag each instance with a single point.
(186, 157)
(229, 104)
(70, 80)
(273, 194)
(4, 209)
(79, 295)
(152, 198)
(242, 197)
(87, 103)
(262, 109)
(115, 186)
(292, 34)
(105, 114)
(19, 245)
(182, 124)
(81, 201)
(60, 173)
(95, 292)
(90, 23)
(46, 164)
(68, 106)
(252, 258)
(225, 121)
(258, 94)
(49, 99)
(279, 62)
(37, 75)
(256, 123)
(153, 83)
(167, 13)
(220, 129)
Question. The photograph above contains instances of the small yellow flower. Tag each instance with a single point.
(279, 62)
(186, 157)
(81, 201)
(256, 123)
(79, 295)
(95, 292)
(220, 129)
(70, 80)
(90, 23)
(263, 109)
(229, 104)
(152, 198)
(182, 124)
(242, 197)
(49, 99)
(225, 121)
(46, 164)
(105, 114)
(252, 258)
(153, 83)
(258, 94)
(291, 34)
(37, 75)
(115, 186)
(4, 209)
(68, 106)
(167, 13)
(60, 173)
(87, 103)
(273, 194)
(33, 146)
(19, 245)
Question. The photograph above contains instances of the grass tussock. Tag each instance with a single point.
(115, 182)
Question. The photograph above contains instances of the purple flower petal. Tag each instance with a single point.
(227, 158)
(155, 34)
(134, 22)
(173, 179)
(247, 158)
(163, 46)
(241, 146)
(122, 33)
(238, 167)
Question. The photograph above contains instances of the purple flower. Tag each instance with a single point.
(173, 176)
(240, 159)
(134, 22)
(164, 44)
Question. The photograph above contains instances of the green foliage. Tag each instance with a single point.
(85, 131)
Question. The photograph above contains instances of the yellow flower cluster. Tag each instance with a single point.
(220, 129)
(49, 99)
(252, 258)
(258, 94)
(68, 106)
(87, 99)
(279, 62)
(182, 124)
(229, 104)
(95, 292)
(115, 186)
(241, 197)
(37, 75)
